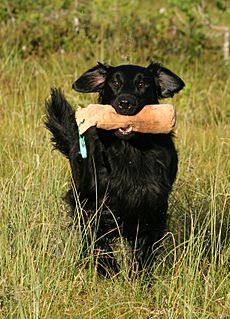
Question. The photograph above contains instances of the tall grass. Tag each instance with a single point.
(42, 271)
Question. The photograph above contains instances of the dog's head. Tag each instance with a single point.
(128, 88)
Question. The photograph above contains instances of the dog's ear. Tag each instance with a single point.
(92, 80)
(167, 82)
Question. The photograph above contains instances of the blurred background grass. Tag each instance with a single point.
(50, 43)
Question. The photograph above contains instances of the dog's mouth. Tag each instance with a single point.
(125, 133)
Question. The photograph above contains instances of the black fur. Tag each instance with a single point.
(130, 174)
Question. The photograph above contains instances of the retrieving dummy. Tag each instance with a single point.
(155, 119)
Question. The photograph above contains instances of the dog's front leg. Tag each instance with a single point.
(145, 245)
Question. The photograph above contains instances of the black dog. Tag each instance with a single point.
(128, 174)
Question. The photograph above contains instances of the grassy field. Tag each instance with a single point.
(42, 274)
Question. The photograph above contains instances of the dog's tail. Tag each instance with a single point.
(60, 121)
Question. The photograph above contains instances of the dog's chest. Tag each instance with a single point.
(135, 178)
(137, 175)
(131, 167)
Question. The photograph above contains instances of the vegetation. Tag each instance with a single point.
(42, 274)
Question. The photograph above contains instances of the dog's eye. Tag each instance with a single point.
(141, 84)
(116, 84)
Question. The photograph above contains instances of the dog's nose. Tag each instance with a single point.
(124, 104)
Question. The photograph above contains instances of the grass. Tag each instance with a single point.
(42, 274)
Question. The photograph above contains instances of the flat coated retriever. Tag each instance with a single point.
(128, 175)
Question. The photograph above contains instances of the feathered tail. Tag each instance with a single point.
(60, 121)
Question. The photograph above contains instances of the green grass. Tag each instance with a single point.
(42, 273)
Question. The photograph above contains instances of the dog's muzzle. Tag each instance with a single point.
(126, 104)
